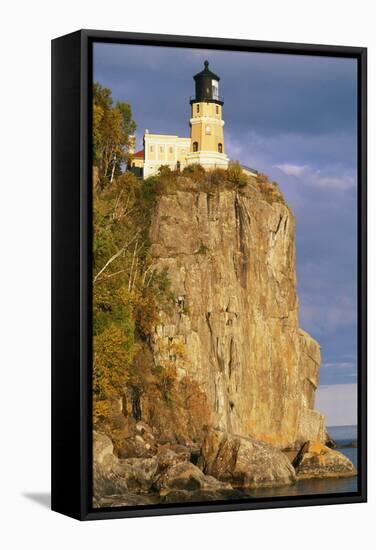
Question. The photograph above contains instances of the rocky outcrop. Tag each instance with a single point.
(234, 331)
(244, 462)
(139, 481)
(185, 476)
(315, 460)
(107, 476)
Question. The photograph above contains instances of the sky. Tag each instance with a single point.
(295, 119)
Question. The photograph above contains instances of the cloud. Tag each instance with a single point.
(292, 169)
(334, 153)
(343, 365)
(317, 177)
(338, 402)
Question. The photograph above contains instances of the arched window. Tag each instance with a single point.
(217, 109)
(178, 165)
(195, 146)
(197, 108)
(220, 148)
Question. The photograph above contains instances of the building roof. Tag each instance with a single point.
(206, 72)
(139, 154)
(249, 168)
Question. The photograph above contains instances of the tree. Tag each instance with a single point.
(113, 127)
(127, 293)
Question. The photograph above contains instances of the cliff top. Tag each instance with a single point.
(195, 178)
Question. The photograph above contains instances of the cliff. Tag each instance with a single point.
(230, 256)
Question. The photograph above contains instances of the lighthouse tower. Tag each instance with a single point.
(207, 141)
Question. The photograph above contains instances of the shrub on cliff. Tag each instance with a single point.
(195, 172)
(235, 175)
(269, 190)
(217, 177)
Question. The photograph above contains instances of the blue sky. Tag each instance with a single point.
(293, 118)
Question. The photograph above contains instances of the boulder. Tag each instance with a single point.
(102, 447)
(244, 461)
(113, 476)
(316, 460)
(138, 473)
(138, 446)
(170, 455)
(144, 428)
(185, 476)
(107, 479)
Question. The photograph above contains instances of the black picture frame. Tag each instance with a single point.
(71, 272)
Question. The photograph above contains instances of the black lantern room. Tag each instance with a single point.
(206, 86)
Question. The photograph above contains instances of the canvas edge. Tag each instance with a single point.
(82, 509)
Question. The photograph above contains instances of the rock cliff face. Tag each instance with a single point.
(230, 256)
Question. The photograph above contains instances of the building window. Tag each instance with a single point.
(217, 109)
(161, 148)
(178, 165)
(197, 108)
(151, 148)
(220, 148)
(195, 146)
(215, 89)
(208, 130)
(171, 150)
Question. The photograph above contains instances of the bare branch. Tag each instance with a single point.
(116, 273)
(150, 278)
(118, 253)
(133, 259)
(116, 204)
(146, 272)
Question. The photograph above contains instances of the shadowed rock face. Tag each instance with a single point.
(230, 256)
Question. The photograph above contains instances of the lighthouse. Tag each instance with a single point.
(206, 122)
(204, 146)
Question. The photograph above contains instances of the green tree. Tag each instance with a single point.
(127, 292)
(113, 127)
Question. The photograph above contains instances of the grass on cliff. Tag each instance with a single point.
(169, 181)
